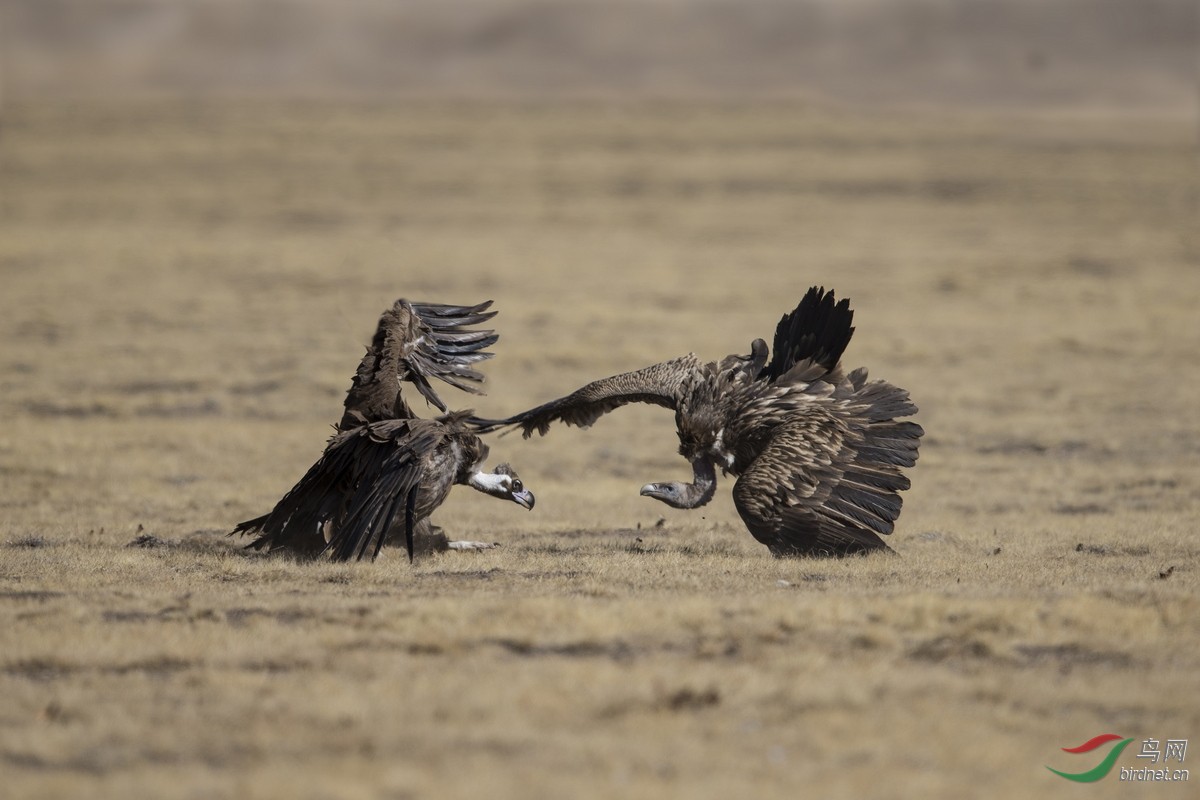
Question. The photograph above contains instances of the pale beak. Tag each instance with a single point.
(523, 498)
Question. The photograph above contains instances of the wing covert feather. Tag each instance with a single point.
(418, 342)
(658, 385)
(827, 482)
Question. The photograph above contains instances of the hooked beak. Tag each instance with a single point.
(649, 490)
(524, 498)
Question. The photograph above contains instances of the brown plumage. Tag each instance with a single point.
(385, 470)
(818, 453)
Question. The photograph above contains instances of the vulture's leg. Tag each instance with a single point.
(466, 545)
(472, 545)
(430, 538)
(427, 537)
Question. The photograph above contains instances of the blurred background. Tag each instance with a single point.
(1079, 54)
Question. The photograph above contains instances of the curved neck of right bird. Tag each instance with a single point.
(703, 485)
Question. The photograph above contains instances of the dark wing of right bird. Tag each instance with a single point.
(811, 337)
(827, 482)
(657, 384)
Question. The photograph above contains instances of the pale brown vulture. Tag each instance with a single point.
(385, 470)
(818, 453)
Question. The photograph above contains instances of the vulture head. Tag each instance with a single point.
(503, 482)
(673, 493)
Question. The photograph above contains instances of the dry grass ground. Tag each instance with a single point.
(186, 293)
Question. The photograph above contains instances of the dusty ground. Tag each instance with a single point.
(187, 290)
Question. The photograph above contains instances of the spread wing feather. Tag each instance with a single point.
(658, 385)
(365, 477)
(447, 348)
(417, 342)
(812, 337)
(827, 482)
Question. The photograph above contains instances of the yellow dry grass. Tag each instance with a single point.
(186, 293)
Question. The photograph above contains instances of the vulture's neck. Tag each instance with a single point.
(687, 495)
(703, 485)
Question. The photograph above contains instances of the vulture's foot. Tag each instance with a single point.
(472, 545)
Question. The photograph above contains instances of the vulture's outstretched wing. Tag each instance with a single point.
(366, 477)
(416, 342)
(658, 384)
(827, 482)
(813, 336)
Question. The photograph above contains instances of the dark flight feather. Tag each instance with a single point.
(817, 332)
(417, 342)
(657, 385)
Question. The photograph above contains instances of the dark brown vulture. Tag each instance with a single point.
(385, 470)
(818, 453)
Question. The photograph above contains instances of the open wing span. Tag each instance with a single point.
(658, 385)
